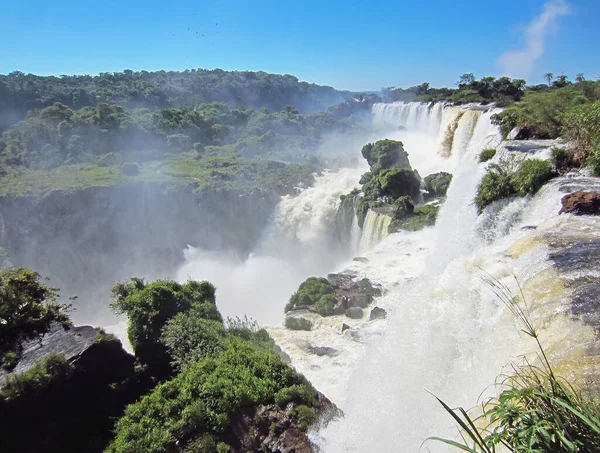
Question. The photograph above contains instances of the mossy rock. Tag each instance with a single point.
(298, 322)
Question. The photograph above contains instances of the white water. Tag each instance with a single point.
(298, 244)
(447, 333)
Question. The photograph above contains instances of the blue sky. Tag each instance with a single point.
(355, 45)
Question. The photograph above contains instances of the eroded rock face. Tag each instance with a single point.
(270, 428)
(75, 412)
(581, 203)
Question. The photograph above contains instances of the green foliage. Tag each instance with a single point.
(536, 411)
(27, 308)
(309, 293)
(385, 154)
(306, 416)
(130, 169)
(422, 216)
(398, 182)
(437, 183)
(502, 91)
(10, 360)
(530, 176)
(199, 401)
(362, 208)
(593, 160)
(582, 128)
(190, 338)
(403, 207)
(324, 306)
(148, 307)
(487, 154)
(38, 379)
(561, 159)
(496, 184)
(550, 112)
(365, 178)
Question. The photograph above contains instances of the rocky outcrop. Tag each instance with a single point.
(437, 184)
(323, 351)
(74, 411)
(581, 203)
(273, 429)
(298, 320)
(377, 313)
(349, 293)
(354, 313)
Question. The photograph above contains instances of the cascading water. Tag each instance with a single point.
(375, 229)
(447, 333)
(300, 242)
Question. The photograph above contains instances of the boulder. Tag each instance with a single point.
(354, 313)
(345, 327)
(581, 203)
(437, 183)
(377, 313)
(74, 410)
(298, 322)
(322, 351)
(361, 259)
(360, 300)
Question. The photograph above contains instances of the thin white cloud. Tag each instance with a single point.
(520, 63)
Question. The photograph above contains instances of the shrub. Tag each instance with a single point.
(487, 154)
(365, 178)
(561, 158)
(385, 154)
(403, 207)
(362, 208)
(306, 416)
(397, 182)
(107, 160)
(530, 176)
(53, 368)
(27, 309)
(179, 143)
(324, 306)
(536, 411)
(582, 128)
(10, 360)
(148, 307)
(190, 338)
(130, 169)
(593, 160)
(495, 185)
(199, 401)
(437, 183)
(309, 293)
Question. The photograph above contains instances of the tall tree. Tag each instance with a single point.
(549, 76)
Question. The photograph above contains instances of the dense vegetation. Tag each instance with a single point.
(199, 127)
(502, 91)
(204, 372)
(176, 330)
(509, 178)
(21, 93)
(316, 292)
(27, 308)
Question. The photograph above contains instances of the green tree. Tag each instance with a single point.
(549, 77)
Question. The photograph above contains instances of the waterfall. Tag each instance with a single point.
(374, 230)
(447, 333)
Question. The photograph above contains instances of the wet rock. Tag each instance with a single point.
(276, 429)
(354, 313)
(580, 256)
(581, 203)
(322, 351)
(295, 321)
(360, 300)
(377, 313)
(345, 327)
(528, 228)
(361, 259)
